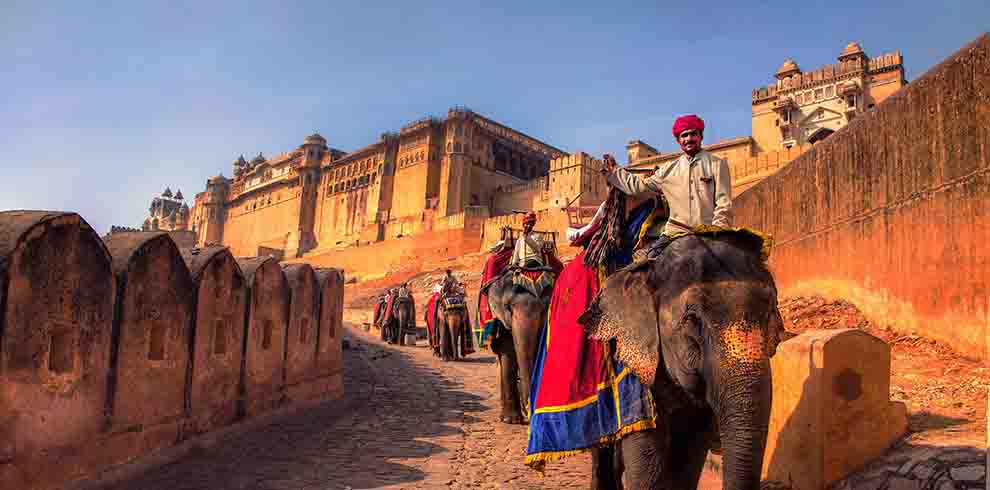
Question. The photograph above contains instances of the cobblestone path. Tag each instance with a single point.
(410, 421)
(407, 421)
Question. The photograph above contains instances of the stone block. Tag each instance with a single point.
(301, 342)
(152, 332)
(329, 352)
(264, 337)
(56, 308)
(221, 304)
(831, 410)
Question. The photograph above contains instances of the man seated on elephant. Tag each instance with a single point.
(697, 186)
(529, 249)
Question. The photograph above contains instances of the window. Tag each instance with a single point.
(829, 91)
(799, 98)
(851, 101)
(819, 94)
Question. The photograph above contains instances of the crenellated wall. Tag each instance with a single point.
(109, 351)
(891, 212)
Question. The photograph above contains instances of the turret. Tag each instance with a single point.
(313, 148)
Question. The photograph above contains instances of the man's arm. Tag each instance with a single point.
(722, 216)
(633, 184)
(628, 182)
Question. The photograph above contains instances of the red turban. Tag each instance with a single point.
(685, 123)
(530, 219)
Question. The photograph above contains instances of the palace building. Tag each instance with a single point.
(798, 110)
(469, 175)
(432, 174)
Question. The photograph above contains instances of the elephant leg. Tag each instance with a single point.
(508, 373)
(455, 341)
(445, 344)
(645, 456)
(689, 444)
(604, 473)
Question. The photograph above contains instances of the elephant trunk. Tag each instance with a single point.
(526, 338)
(743, 414)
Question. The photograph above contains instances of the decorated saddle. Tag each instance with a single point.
(582, 396)
(538, 281)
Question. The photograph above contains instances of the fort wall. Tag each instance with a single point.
(266, 219)
(111, 351)
(891, 212)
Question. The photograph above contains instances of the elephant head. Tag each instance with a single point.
(522, 312)
(702, 321)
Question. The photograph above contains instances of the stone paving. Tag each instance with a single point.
(410, 421)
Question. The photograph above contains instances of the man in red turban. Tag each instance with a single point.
(529, 247)
(697, 186)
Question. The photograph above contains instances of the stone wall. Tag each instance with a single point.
(403, 253)
(891, 212)
(112, 350)
(264, 220)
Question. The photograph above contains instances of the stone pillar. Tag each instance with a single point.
(265, 331)
(56, 307)
(831, 409)
(152, 329)
(220, 308)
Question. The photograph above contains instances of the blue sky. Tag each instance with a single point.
(102, 107)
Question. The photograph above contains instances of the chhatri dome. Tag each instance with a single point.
(788, 68)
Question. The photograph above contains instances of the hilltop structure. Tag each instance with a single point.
(797, 111)
(470, 173)
(168, 212)
(433, 174)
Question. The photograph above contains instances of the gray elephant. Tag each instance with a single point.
(521, 305)
(698, 325)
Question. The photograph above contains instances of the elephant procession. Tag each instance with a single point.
(648, 349)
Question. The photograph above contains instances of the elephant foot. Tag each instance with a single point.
(514, 419)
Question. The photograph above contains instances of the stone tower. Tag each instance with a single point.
(211, 228)
(308, 169)
(168, 212)
(455, 171)
(576, 180)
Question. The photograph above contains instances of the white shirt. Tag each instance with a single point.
(528, 247)
(698, 190)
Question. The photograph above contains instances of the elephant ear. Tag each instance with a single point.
(624, 310)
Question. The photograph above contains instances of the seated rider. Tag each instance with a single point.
(529, 249)
(697, 186)
(449, 284)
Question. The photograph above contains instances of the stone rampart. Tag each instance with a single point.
(112, 350)
(403, 253)
(891, 212)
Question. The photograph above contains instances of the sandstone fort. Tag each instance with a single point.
(212, 346)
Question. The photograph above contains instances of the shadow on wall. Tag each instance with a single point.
(109, 351)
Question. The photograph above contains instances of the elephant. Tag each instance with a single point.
(522, 310)
(451, 332)
(402, 320)
(697, 325)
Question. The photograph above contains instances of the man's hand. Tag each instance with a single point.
(608, 164)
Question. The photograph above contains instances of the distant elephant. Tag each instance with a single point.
(698, 326)
(402, 320)
(454, 330)
(522, 310)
